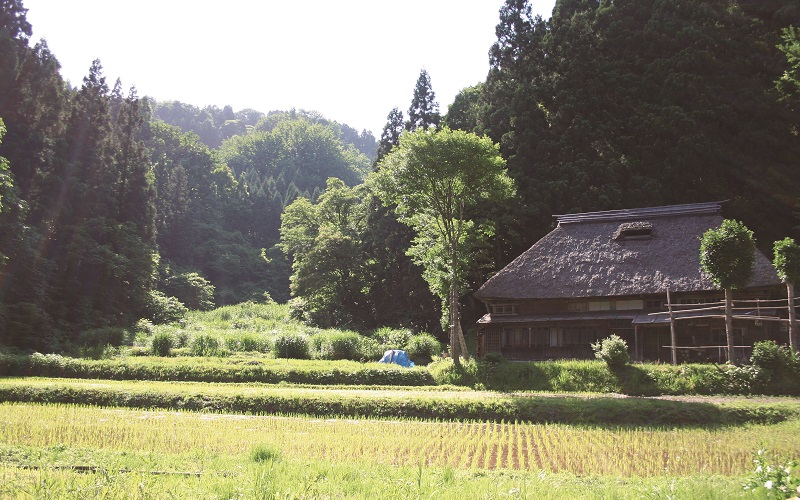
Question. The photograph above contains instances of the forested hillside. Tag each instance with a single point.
(617, 104)
(115, 207)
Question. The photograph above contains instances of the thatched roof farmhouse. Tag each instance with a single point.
(607, 272)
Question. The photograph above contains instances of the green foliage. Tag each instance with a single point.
(789, 82)
(392, 338)
(777, 368)
(206, 345)
(613, 351)
(335, 345)
(192, 290)
(247, 342)
(424, 111)
(6, 179)
(727, 254)
(439, 182)
(773, 480)
(161, 344)
(101, 337)
(331, 272)
(421, 348)
(291, 346)
(787, 260)
(164, 309)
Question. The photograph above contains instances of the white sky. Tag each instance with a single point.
(351, 60)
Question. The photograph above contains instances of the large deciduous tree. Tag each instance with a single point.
(727, 255)
(330, 272)
(787, 263)
(440, 181)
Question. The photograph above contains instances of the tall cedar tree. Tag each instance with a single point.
(424, 110)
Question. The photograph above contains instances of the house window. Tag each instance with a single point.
(600, 305)
(634, 231)
(577, 306)
(698, 300)
(504, 309)
(540, 336)
(526, 337)
(655, 304)
(629, 305)
(578, 336)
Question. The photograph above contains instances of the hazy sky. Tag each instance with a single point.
(351, 60)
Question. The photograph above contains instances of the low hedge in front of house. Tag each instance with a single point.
(204, 369)
(492, 373)
(595, 376)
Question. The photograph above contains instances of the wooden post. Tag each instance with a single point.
(636, 354)
(792, 325)
(672, 330)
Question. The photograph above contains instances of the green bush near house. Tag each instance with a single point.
(421, 348)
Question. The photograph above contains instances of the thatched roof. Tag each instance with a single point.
(617, 253)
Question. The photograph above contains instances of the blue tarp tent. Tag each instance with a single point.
(397, 357)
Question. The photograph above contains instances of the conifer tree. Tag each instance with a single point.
(390, 136)
(424, 110)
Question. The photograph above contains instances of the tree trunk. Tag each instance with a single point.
(792, 324)
(729, 324)
(454, 347)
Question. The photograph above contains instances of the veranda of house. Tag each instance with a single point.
(565, 329)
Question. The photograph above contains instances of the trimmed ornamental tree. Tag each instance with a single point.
(727, 255)
(439, 180)
(787, 263)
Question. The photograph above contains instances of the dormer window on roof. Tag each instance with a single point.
(634, 231)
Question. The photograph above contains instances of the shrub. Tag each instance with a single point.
(776, 367)
(161, 344)
(337, 345)
(493, 357)
(422, 348)
(246, 342)
(101, 337)
(192, 289)
(613, 350)
(205, 345)
(370, 349)
(392, 338)
(164, 309)
(291, 345)
(298, 310)
(771, 480)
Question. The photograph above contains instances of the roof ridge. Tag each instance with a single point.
(714, 207)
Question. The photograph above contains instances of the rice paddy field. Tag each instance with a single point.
(75, 451)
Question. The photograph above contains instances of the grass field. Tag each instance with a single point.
(240, 424)
(76, 451)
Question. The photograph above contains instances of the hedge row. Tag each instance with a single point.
(211, 370)
(533, 409)
(633, 379)
(551, 376)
